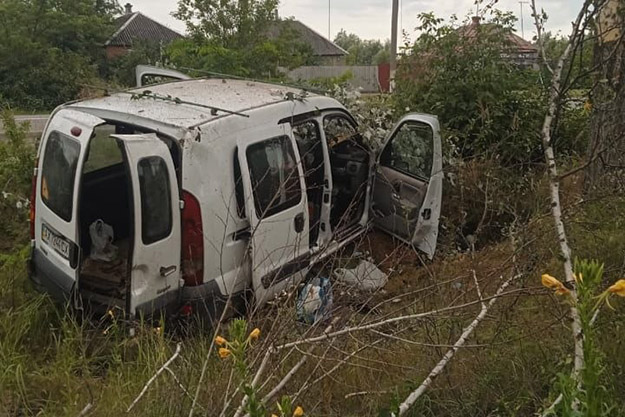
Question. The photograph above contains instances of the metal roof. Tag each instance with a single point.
(136, 26)
(321, 46)
(233, 95)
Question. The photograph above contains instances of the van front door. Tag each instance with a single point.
(408, 184)
(155, 271)
(277, 209)
(56, 254)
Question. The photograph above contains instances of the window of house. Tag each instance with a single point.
(60, 161)
(156, 215)
(274, 174)
(411, 150)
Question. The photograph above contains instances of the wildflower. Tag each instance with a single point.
(579, 277)
(19, 205)
(552, 283)
(273, 415)
(158, 330)
(299, 412)
(110, 313)
(220, 341)
(618, 288)
(224, 353)
(255, 334)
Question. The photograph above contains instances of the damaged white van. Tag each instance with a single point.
(212, 187)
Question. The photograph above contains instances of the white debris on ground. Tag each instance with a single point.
(366, 276)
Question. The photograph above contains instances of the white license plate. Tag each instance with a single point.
(56, 242)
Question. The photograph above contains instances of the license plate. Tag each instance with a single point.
(56, 242)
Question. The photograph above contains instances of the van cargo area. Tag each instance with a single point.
(105, 195)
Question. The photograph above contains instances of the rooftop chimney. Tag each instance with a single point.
(475, 20)
(128, 7)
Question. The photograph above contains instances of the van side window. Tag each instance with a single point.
(338, 128)
(60, 161)
(411, 150)
(274, 174)
(156, 216)
(238, 186)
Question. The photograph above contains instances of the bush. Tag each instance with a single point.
(17, 159)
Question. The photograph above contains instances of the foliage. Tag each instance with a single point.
(488, 107)
(593, 396)
(237, 37)
(121, 70)
(49, 48)
(17, 159)
(363, 51)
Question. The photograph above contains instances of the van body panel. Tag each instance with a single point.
(56, 245)
(155, 268)
(408, 183)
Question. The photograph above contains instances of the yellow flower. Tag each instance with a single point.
(579, 277)
(299, 412)
(273, 415)
(220, 341)
(618, 288)
(552, 283)
(224, 353)
(255, 334)
(110, 313)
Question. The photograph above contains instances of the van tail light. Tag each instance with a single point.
(192, 241)
(33, 198)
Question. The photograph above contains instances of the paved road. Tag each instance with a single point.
(37, 123)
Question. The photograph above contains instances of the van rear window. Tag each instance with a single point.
(156, 215)
(60, 160)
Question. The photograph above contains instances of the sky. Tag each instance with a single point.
(370, 19)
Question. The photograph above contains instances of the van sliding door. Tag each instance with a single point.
(276, 207)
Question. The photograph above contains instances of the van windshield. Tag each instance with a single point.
(59, 173)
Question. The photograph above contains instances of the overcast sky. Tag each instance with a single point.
(370, 19)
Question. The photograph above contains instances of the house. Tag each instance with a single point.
(520, 52)
(135, 27)
(324, 50)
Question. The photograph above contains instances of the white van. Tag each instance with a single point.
(216, 186)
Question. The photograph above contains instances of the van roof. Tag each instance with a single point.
(232, 95)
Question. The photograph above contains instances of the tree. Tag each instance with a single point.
(488, 106)
(237, 37)
(48, 48)
(362, 52)
(606, 150)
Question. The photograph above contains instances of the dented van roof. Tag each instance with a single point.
(228, 94)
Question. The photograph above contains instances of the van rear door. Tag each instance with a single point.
(408, 184)
(155, 272)
(56, 252)
(276, 207)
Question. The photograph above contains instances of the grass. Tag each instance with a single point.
(53, 363)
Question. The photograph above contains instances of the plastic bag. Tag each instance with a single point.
(314, 301)
(102, 248)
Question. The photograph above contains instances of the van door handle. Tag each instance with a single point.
(167, 271)
(299, 223)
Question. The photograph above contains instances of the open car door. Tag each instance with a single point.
(56, 253)
(408, 184)
(155, 272)
(276, 207)
(144, 71)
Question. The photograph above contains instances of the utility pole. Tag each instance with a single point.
(394, 18)
(329, 14)
(522, 26)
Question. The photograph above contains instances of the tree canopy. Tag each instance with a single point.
(363, 52)
(49, 47)
(237, 37)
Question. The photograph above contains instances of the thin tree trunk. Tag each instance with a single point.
(607, 171)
